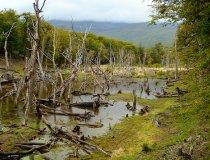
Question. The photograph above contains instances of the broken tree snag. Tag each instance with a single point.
(132, 107)
(144, 110)
(134, 100)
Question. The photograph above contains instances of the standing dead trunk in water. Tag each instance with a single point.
(35, 55)
(134, 100)
(7, 35)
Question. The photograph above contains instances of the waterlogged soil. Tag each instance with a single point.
(106, 116)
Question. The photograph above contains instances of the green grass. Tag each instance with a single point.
(178, 120)
(126, 139)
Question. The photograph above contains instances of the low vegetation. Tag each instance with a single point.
(171, 125)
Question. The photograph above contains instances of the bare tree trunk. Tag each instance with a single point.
(54, 47)
(7, 35)
(33, 65)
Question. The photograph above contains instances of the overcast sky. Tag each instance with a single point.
(98, 10)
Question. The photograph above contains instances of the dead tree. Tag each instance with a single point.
(7, 35)
(34, 62)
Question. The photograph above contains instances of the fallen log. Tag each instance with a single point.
(49, 110)
(20, 154)
(79, 93)
(49, 102)
(91, 125)
(88, 104)
(9, 82)
(83, 116)
(27, 143)
(74, 138)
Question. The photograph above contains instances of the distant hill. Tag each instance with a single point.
(138, 33)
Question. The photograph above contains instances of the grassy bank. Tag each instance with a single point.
(183, 129)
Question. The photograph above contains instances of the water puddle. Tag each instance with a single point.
(105, 117)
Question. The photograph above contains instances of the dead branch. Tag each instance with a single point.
(49, 110)
(19, 154)
(7, 35)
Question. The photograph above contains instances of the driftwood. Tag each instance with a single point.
(19, 154)
(49, 110)
(26, 145)
(49, 102)
(88, 104)
(75, 139)
(9, 82)
(86, 115)
(79, 93)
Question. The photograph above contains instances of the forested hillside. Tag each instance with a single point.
(138, 33)
(66, 40)
(99, 48)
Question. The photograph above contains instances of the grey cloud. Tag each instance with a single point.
(99, 10)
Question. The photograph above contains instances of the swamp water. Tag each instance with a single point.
(108, 116)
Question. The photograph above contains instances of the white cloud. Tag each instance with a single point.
(99, 10)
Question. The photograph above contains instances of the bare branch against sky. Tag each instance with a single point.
(98, 10)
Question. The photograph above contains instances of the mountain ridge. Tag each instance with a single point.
(138, 33)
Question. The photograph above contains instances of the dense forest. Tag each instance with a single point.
(192, 41)
(97, 47)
